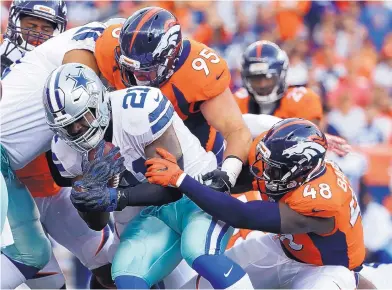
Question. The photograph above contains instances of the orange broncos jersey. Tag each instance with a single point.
(37, 178)
(329, 195)
(297, 102)
(200, 74)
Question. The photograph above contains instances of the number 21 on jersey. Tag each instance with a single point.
(135, 97)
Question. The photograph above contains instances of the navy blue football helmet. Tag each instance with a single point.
(264, 68)
(290, 154)
(150, 42)
(26, 39)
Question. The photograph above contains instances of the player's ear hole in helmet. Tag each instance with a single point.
(263, 70)
(76, 105)
(31, 23)
(290, 154)
(150, 43)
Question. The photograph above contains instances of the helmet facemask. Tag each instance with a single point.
(133, 73)
(266, 87)
(27, 39)
(94, 120)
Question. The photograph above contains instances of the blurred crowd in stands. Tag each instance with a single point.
(342, 50)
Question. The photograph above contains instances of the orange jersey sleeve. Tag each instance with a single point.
(201, 74)
(105, 56)
(242, 98)
(37, 178)
(329, 195)
(300, 102)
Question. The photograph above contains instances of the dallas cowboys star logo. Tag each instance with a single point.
(81, 81)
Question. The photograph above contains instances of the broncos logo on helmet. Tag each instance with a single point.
(168, 41)
(308, 149)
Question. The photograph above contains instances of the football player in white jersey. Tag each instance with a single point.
(31, 23)
(154, 242)
(25, 135)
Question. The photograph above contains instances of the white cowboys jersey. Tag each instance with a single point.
(24, 132)
(9, 53)
(258, 124)
(140, 115)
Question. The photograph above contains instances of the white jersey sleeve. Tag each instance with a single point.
(86, 36)
(9, 54)
(67, 160)
(258, 124)
(141, 113)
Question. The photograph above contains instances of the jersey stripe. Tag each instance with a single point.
(184, 53)
(58, 164)
(88, 32)
(182, 103)
(333, 249)
(163, 120)
(154, 115)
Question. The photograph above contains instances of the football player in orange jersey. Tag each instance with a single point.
(264, 68)
(265, 91)
(307, 201)
(148, 49)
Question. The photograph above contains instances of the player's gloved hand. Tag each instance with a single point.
(103, 167)
(220, 181)
(163, 171)
(98, 198)
(338, 145)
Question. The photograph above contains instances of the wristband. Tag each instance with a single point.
(180, 179)
(232, 166)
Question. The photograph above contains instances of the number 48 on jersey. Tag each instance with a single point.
(324, 191)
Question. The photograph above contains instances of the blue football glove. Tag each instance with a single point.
(98, 171)
(97, 198)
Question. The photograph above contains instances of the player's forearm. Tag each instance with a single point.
(147, 194)
(95, 220)
(239, 143)
(255, 215)
(237, 150)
